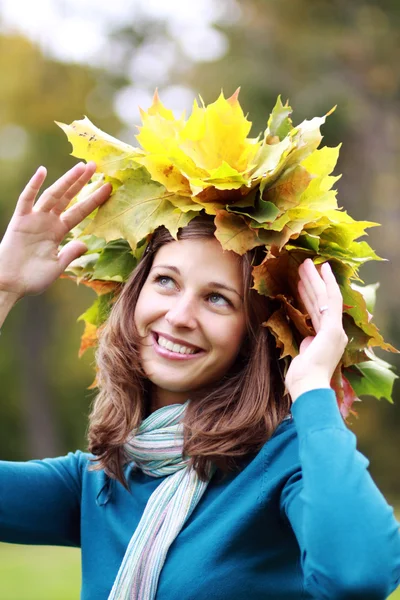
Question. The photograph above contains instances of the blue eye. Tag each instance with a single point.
(164, 281)
(218, 300)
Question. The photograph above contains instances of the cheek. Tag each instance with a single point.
(228, 337)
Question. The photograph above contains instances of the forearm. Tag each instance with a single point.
(7, 301)
(347, 532)
(40, 501)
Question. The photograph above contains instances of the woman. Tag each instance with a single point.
(210, 480)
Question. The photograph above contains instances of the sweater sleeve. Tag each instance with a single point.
(348, 536)
(40, 501)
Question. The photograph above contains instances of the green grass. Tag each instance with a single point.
(39, 573)
(46, 573)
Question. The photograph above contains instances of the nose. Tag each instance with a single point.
(182, 313)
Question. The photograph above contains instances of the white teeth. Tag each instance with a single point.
(174, 347)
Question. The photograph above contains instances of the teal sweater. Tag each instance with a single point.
(302, 519)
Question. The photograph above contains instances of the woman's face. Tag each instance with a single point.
(190, 315)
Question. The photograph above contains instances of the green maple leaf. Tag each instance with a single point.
(233, 233)
(262, 212)
(374, 377)
(115, 263)
(136, 209)
(269, 160)
(98, 312)
(355, 255)
(279, 122)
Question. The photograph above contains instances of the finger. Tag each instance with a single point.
(335, 298)
(30, 191)
(307, 283)
(315, 286)
(61, 187)
(70, 252)
(50, 196)
(308, 291)
(81, 210)
(63, 202)
(309, 306)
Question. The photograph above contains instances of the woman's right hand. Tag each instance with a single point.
(30, 259)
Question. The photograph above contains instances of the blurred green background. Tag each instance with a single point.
(62, 59)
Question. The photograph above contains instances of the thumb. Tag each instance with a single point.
(70, 252)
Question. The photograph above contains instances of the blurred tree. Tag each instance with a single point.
(317, 54)
(39, 387)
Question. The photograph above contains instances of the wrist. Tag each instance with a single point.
(8, 292)
(8, 298)
(301, 387)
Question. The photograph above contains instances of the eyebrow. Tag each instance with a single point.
(213, 284)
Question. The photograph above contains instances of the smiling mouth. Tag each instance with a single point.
(174, 347)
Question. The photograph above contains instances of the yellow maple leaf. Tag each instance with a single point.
(91, 143)
(210, 149)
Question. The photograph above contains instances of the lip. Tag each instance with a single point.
(173, 355)
(175, 340)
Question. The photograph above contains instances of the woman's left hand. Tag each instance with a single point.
(319, 355)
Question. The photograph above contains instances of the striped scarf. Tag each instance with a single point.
(156, 449)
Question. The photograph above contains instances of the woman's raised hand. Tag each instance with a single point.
(319, 355)
(30, 259)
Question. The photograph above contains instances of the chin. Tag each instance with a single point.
(176, 387)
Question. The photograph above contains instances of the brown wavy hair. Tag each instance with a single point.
(230, 422)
